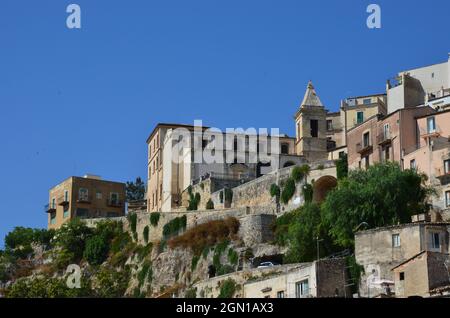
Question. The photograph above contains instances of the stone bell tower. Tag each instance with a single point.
(310, 122)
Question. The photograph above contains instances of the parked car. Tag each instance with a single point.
(267, 264)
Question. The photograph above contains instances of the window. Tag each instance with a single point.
(53, 218)
(329, 125)
(301, 289)
(366, 139)
(82, 213)
(431, 125)
(66, 196)
(99, 195)
(114, 198)
(298, 130)
(367, 101)
(435, 242)
(447, 198)
(83, 194)
(280, 294)
(341, 154)
(284, 149)
(396, 240)
(66, 212)
(359, 117)
(53, 203)
(412, 164)
(402, 276)
(366, 162)
(111, 214)
(314, 128)
(446, 166)
(386, 132)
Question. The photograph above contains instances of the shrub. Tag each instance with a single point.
(355, 271)
(288, 191)
(224, 269)
(194, 201)
(320, 167)
(194, 262)
(275, 191)
(210, 205)
(297, 174)
(145, 233)
(132, 219)
(72, 237)
(18, 242)
(174, 227)
(191, 293)
(227, 289)
(342, 167)
(111, 283)
(308, 192)
(206, 234)
(154, 218)
(96, 250)
(233, 256)
(205, 252)
(143, 273)
(143, 251)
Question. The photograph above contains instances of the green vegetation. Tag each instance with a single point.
(308, 192)
(174, 227)
(154, 218)
(146, 270)
(205, 252)
(355, 271)
(132, 219)
(96, 250)
(228, 195)
(228, 289)
(135, 190)
(18, 243)
(194, 262)
(342, 167)
(145, 234)
(221, 196)
(275, 192)
(382, 195)
(191, 293)
(297, 174)
(288, 191)
(194, 201)
(233, 256)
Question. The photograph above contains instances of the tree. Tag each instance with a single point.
(382, 195)
(135, 190)
(342, 167)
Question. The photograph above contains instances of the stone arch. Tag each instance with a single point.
(322, 186)
(288, 164)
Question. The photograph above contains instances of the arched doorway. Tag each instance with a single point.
(322, 186)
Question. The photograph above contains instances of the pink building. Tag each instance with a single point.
(384, 138)
(432, 154)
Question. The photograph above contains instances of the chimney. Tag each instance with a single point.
(92, 176)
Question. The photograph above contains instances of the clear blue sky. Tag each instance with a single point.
(77, 101)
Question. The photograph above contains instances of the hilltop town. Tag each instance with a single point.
(357, 204)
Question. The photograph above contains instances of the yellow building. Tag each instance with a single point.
(84, 197)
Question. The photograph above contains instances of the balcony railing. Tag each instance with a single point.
(384, 138)
(363, 148)
(442, 175)
(50, 208)
(63, 200)
(114, 203)
(84, 199)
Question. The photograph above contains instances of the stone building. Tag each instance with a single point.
(421, 274)
(324, 278)
(87, 197)
(311, 129)
(379, 250)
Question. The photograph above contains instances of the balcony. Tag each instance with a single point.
(384, 138)
(50, 208)
(442, 175)
(430, 133)
(84, 199)
(63, 200)
(363, 148)
(114, 203)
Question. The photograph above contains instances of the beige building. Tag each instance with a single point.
(422, 274)
(87, 197)
(431, 155)
(418, 86)
(173, 164)
(379, 250)
(324, 278)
